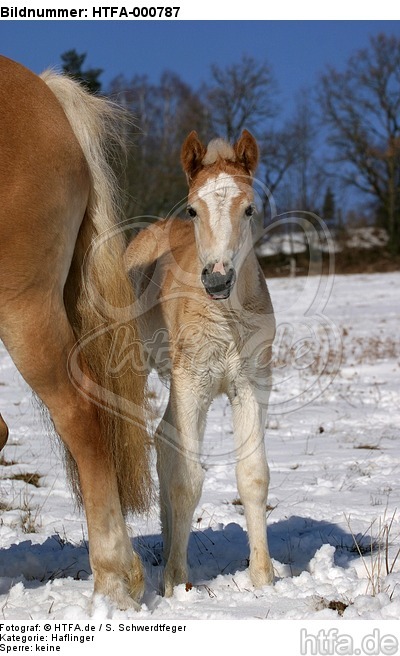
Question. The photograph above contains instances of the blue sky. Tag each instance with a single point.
(296, 50)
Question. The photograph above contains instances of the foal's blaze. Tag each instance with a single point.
(221, 204)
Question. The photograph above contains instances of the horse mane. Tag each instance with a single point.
(218, 149)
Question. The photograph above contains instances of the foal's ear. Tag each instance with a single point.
(246, 151)
(192, 154)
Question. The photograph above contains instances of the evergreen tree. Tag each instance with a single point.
(328, 207)
(72, 66)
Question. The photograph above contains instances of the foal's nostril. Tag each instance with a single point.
(218, 285)
(231, 278)
(205, 274)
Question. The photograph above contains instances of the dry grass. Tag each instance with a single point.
(30, 479)
(29, 518)
(6, 463)
(380, 563)
(323, 354)
(315, 354)
(368, 447)
(368, 350)
(333, 604)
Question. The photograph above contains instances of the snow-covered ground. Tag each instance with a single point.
(333, 443)
(303, 236)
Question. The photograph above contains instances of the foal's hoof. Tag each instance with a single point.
(122, 602)
(173, 576)
(260, 577)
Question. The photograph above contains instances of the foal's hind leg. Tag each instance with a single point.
(178, 441)
(39, 339)
(252, 474)
(164, 458)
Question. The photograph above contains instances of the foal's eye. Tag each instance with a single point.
(191, 211)
(249, 211)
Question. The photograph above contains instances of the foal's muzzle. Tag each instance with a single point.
(217, 285)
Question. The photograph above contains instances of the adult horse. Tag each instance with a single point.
(57, 195)
(208, 326)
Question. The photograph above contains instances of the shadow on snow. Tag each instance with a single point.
(212, 552)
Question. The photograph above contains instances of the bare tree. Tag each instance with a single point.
(290, 160)
(240, 96)
(361, 107)
(277, 156)
(165, 113)
(307, 166)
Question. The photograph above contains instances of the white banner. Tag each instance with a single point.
(351, 638)
(136, 10)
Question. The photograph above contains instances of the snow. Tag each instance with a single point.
(333, 443)
(297, 240)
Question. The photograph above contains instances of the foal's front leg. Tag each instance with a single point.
(178, 442)
(252, 475)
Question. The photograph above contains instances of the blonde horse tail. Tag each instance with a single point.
(98, 297)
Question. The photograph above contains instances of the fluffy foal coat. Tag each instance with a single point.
(208, 325)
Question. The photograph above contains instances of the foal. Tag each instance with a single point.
(202, 292)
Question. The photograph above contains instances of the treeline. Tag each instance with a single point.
(343, 133)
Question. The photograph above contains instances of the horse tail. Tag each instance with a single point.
(98, 297)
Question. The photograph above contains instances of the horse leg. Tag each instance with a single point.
(252, 475)
(178, 441)
(163, 451)
(3, 433)
(39, 338)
